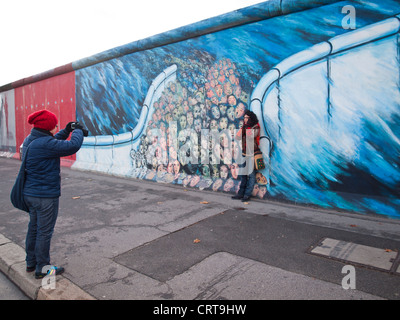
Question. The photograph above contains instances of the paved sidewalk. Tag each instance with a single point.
(130, 239)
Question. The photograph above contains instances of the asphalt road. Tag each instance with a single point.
(9, 291)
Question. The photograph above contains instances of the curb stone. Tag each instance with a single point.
(12, 264)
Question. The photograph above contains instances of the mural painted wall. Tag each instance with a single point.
(327, 98)
(335, 140)
(7, 123)
(56, 94)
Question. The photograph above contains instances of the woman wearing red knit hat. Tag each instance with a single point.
(43, 149)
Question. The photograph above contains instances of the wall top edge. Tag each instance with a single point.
(258, 12)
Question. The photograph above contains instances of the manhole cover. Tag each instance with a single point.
(359, 254)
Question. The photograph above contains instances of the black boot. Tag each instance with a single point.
(237, 197)
(54, 270)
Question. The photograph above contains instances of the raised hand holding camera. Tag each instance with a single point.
(68, 127)
(77, 125)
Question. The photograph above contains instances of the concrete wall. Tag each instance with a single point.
(326, 96)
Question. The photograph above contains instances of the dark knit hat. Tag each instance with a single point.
(43, 119)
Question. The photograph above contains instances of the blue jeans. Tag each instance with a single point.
(43, 215)
(247, 180)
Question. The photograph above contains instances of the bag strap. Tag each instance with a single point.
(26, 153)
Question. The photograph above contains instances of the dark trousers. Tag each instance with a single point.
(247, 177)
(43, 214)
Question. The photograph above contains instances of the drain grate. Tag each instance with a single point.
(371, 257)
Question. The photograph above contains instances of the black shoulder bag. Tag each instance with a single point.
(17, 192)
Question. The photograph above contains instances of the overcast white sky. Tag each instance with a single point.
(38, 35)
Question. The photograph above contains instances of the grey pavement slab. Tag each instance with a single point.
(273, 241)
(223, 276)
(13, 266)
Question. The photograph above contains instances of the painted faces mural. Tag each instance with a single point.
(178, 147)
(319, 135)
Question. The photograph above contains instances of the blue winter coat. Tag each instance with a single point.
(43, 160)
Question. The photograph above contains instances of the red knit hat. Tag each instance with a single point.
(43, 119)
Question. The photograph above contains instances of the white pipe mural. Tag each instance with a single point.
(113, 153)
(313, 107)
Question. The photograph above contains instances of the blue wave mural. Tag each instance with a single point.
(342, 153)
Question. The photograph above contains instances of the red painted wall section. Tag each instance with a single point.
(56, 94)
